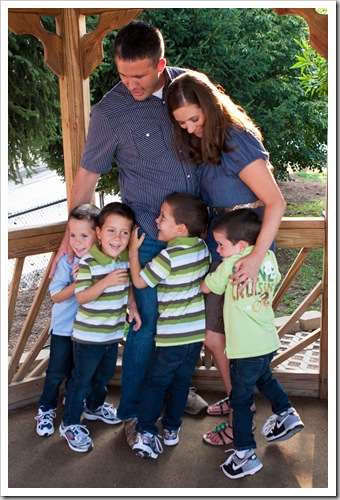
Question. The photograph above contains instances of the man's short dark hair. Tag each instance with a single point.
(116, 208)
(86, 211)
(242, 224)
(138, 40)
(189, 210)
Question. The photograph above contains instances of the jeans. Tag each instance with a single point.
(139, 345)
(245, 375)
(59, 368)
(170, 371)
(94, 366)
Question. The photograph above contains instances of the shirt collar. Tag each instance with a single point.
(101, 257)
(189, 241)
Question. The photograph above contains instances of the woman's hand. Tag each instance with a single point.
(246, 271)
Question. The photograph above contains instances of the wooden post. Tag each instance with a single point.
(74, 92)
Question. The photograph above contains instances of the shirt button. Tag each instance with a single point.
(189, 176)
(147, 135)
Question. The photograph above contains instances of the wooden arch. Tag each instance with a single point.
(72, 54)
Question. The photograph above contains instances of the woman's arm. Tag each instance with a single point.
(260, 180)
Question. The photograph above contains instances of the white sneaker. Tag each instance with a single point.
(282, 427)
(147, 445)
(107, 413)
(77, 437)
(44, 419)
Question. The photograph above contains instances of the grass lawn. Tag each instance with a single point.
(311, 271)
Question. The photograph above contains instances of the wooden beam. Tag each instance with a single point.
(34, 240)
(93, 42)
(288, 353)
(298, 232)
(318, 27)
(30, 23)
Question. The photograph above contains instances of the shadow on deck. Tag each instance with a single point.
(48, 463)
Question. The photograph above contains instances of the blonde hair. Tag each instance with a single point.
(220, 112)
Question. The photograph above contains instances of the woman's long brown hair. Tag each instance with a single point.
(220, 112)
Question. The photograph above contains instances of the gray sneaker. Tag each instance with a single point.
(77, 437)
(44, 419)
(284, 426)
(107, 413)
(147, 445)
(170, 437)
(235, 467)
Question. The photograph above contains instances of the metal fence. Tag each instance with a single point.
(35, 265)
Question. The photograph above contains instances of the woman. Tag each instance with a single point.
(233, 172)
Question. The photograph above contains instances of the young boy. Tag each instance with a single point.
(104, 292)
(82, 224)
(177, 271)
(251, 341)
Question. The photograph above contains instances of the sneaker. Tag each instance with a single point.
(44, 419)
(195, 402)
(284, 426)
(107, 413)
(235, 467)
(77, 437)
(170, 437)
(147, 445)
(130, 431)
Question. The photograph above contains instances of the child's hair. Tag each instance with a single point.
(86, 211)
(190, 210)
(242, 224)
(116, 208)
(138, 40)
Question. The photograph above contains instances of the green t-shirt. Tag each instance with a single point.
(248, 317)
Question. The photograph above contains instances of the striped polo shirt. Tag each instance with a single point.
(101, 320)
(139, 136)
(178, 271)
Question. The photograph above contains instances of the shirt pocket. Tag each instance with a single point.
(149, 142)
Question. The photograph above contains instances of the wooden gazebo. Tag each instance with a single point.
(72, 54)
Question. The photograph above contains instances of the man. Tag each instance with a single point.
(131, 124)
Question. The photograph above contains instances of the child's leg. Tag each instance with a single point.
(86, 360)
(271, 389)
(244, 374)
(102, 376)
(59, 366)
(155, 386)
(185, 358)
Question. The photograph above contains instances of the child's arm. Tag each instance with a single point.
(133, 310)
(116, 277)
(204, 287)
(135, 267)
(66, 292)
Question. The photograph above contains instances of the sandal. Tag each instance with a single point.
(221, 433)
(130, 430)
(220, 408)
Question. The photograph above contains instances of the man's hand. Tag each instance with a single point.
(63, 249)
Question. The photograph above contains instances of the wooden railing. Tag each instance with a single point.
(26, 374)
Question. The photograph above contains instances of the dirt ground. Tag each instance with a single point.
(298, 190)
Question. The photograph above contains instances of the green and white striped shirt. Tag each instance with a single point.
(178, 272)
(101, 320)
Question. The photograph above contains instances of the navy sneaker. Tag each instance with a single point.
(283, 426)
(236, 467)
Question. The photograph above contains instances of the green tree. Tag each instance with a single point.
(250, 52)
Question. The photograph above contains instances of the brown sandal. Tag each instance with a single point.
(221, 432)
(220, 408)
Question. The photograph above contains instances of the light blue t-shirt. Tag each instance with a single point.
(63, 313)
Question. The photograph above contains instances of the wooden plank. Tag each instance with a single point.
(298, 232)
(14, 289)
(290, 276)
(309, 300)
(24, 393)
(29, 322)
(288, 353)
(34, 240)
(32, 355)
